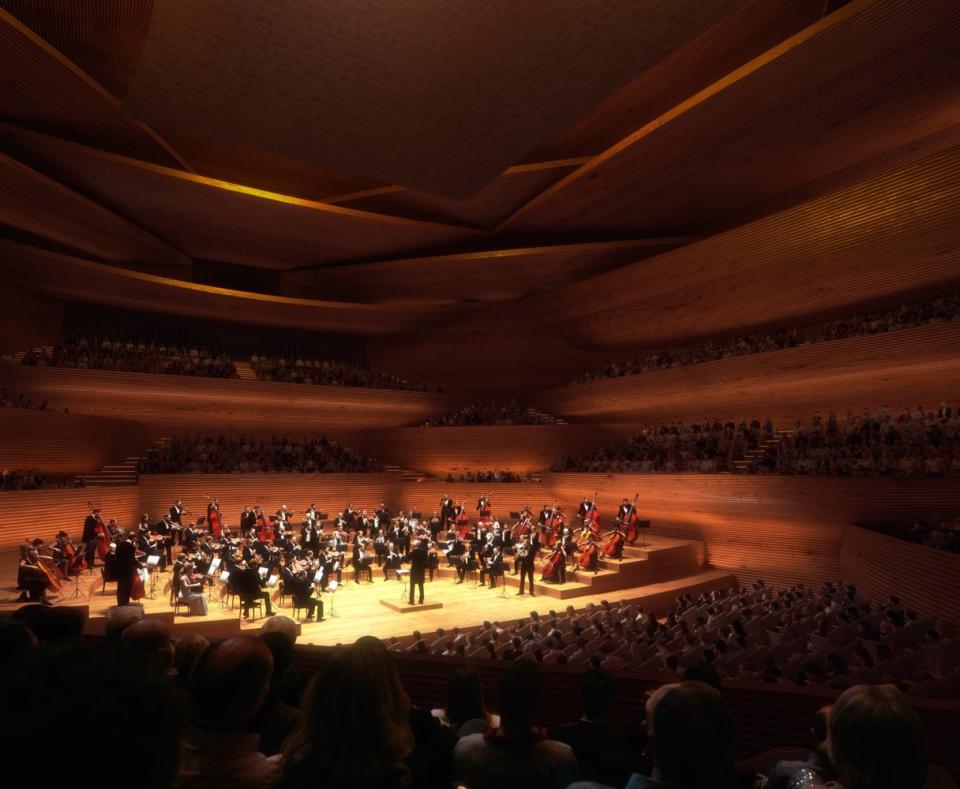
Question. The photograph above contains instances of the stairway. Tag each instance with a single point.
(118, 473)
(742, 465)
(245, 371)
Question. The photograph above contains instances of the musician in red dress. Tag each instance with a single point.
(214, 520)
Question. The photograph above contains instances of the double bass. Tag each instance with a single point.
(462, 520)
(629, 522)
(214, 520)
(552, 525)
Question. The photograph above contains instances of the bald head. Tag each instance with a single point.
(230, 682)
(148, 642)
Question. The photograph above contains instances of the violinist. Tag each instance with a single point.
(149, 547)
(191, 590)
(391, 561)
(301, 590)
(310, 535)
(360, 561)
(467, 563)
(526, 555)
(32, 578)
(493, 566)
(282, 521)
(382, 515)
(189, 537)
(176, 513)
(249, 586)
(380, 546)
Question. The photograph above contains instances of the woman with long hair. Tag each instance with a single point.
(354, 727)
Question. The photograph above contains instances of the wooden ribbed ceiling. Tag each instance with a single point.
(542, 152)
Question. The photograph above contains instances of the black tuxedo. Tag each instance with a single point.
(248, 520)
(527, 563)
(418, 570)
(175, 513)
(248, 588)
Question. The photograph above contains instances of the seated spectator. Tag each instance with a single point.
(372, 737)
(876, 739)
(147, 644)
(818, 760)
(328, 372)
(186, 651)
(513, 754)
(690, 736)
(228, 686)
(465, 713)
(589, 737)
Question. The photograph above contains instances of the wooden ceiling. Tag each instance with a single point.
(535, 155)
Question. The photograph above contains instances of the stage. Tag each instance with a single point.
(356, 610)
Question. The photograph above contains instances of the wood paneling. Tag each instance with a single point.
(28, 320)
(484, 448)
(170, 402)
(218, 220)
(42, 513)
(891, 232)
(76, 279)
(31, 202)
(912, 366)
(330, 492)
(56, 442)
(862, 81)
(924, 579)
(495, 275)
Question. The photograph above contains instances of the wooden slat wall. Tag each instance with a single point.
(330, 492)
(484, 448)
(906, 367)
(42, 513)
(924, 579)
(57, 442)
(172, 402)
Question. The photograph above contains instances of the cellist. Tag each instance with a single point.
(32, 577)
(589, 558)
(613, 547)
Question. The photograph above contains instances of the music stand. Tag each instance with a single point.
(153, 562)
(321, 516)
(77, 594)
(403, 575)
(515, 515)
(331, 589)
(416, 516)
(643, 526)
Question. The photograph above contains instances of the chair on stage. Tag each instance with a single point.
(251, 603)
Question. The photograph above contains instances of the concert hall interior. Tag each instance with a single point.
(588, 348)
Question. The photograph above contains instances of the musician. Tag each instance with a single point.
(418, 566)
(468, 561)
(301, 590)
(433, 560)
(31, 579)
(560, 554)
(360, 561)
(590, 558)
(125, 566)
(493, 567)
(585, 508)
(190, 536)
(310, 535)
(65, 553)
(191, 590)
(147, 546)
(311, 515)
(249, 585)
(283, 520)
(248, 520)
(176, 513)
(624, 510)
(391, 561)
(483, 507)
(446, 511)
(526, 556)
(380, 546)
(383, 515)
(614, 545)
(89, 537)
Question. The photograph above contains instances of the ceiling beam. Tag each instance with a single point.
(737, 75)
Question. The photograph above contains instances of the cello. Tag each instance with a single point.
(588, 559)
(462, 520)
(613, 547)
(214, 520)
(551, 570)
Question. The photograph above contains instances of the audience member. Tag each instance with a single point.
(513, 754)
(328, 372)
(492, 413)
(590, 737)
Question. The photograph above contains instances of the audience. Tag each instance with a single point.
(246, 454)
(328, 372)
(937, 533)
(817, 762)
(492, 476)
(492, 413)
(7, 400)
(228, 686)
(918, 443)
(132, 356)
(906, 316)
(19, 479)
(589, 737)
(514, 754)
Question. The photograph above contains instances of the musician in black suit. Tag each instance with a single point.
(300, 587)
(467, 562)
(446, 511)
(545, 514)
(249, 587)
(89, 538)
(418, 569)
(435, 525)
(176, 511)
(624, 510)
(125, 565)
(248, 520)
(493, 567)
(526, 556)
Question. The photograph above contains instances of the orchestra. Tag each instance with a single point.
(267, 558)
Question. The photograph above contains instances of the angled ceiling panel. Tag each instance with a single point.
(227, 222)
(870, 78)
(436, 95)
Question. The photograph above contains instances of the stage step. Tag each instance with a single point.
(245, 372)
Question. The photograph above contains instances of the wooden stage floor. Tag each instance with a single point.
(357, 610)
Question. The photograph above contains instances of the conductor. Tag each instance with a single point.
(418, 567)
